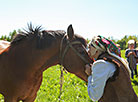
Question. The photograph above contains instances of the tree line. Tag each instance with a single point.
(9, 37)
(122, 42)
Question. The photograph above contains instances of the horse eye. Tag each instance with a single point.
(81, 51)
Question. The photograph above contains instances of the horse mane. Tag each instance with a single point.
(44, 38)
(26, 33)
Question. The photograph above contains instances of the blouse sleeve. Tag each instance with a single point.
(101, 71)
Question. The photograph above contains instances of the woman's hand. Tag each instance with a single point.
(131, 53)
(88, 69)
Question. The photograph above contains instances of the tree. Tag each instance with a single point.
(9, 37)
(123, 42)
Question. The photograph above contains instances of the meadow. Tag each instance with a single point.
(74, 89)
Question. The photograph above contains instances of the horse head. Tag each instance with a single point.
(73, 53)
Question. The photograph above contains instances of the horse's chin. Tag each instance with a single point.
(84, 77)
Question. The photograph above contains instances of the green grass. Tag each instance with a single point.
(123, 54)
(74, 89)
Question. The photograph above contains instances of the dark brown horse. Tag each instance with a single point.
(31, 52)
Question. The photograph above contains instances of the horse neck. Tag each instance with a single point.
(54, 58)
(48, 58)
(33, 59)
(51, 61)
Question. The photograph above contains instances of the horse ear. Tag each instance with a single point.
(70, 32)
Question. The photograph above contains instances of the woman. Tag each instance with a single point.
(131, 55)
(102, 69)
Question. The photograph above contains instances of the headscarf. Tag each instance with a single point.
(105, 45)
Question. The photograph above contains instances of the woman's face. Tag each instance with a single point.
(131, 46)
(92, 51)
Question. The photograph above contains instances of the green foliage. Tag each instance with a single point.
(123, 42)
(88, 40)
(123, 54)
(9, 37)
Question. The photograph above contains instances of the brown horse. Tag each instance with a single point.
(3, 45)
(33, 51)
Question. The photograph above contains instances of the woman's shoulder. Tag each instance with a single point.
(102, 66)
(102, 63)
(127, 50)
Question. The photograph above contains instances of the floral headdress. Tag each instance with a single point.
(105, 45)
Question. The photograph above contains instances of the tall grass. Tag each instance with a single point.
(74, 89)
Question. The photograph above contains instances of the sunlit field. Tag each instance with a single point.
(74, 89)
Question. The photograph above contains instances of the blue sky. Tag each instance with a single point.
(114, 18)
